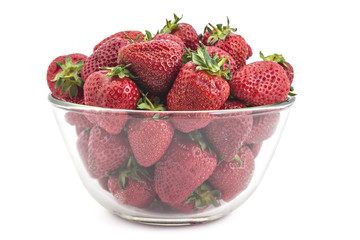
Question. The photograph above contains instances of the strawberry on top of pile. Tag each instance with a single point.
(187, 164)
(185, 70)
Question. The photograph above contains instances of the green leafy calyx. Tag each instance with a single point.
(121, 71)
(69, 78)
(204, 196)
(171, 25)
(144, 103)
(211, 64)
(278, 58)
(218, 32)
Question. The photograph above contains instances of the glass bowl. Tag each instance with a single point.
(171, 167)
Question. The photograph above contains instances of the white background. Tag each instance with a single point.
(311, 189)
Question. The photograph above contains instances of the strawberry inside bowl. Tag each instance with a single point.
(171, 167)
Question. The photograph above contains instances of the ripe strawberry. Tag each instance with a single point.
(264, 126)
(132, 186)
(64, 77)
(183, 168)
(200, 199)
(134, 35)
(278, 58)
(200, 84)
(105, 56)
(169, 37)
(255, 148)
(184, 31)
(77, 119)
(110, 89)
(232, 177)
(227, 134)
(260, 83)
(149, 139)
(190, 121)
(224, 37)
(106, 152)
(221, 53)
(82, 145)
(156, 63)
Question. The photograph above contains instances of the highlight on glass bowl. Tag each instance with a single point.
(172, 129)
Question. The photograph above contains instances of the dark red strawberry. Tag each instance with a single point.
(156, 63)
(105, 56)
(169, 37)
(260, 83)
(77, 119)
(184, 31)
(106, 152)
(233, 177)
(200, 84)
(132, 185)
(278, 58)
(224, 37)
(110, 89)
(227, 134)
(64, 77)
(264, 126)
(134, 35)
(149, 139)
(183, 168)
(199, 200)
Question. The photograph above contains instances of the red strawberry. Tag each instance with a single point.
(82, 145)
(105, 56)
(132, 186)
(156, 63)
(255, 148)
(190, 121)
(110, 89)
(169, 37)
(184, 31)
(200, 84)
(106, 152)
(149, 139)
(227, 134)
(200, 199)
(134, 35)
(183, 168)
(77, 119)
(232, 177)
(64, 77)
(224, 37)
(264, 126)
(260, 83)
(278, 58)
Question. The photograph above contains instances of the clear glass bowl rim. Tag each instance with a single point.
(79, 107)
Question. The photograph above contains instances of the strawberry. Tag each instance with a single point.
(264, 126)
(184, 31)
(64, 77)
(82, 145)
(232, 177)
(106, 152)
(255, 148)
(190, 121)
(132, 185)
(224, 37)
(200, 84)
(200, 199)
(77, 119)
(105, 56)
(278, 58)
(169, 37)
(227, 134)
(183, 168)
(156, 63)
(134, 35)
(221, 53)
(149, 139)
(260, 83)
(110, 88)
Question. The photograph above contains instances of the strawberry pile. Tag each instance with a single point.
(184, 163)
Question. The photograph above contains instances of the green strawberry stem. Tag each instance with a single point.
(171, 25)
(204, 196)
(69, 78)
(121, 71)
(221, 32)
(212, 65)
(144, 103)
(278, 58)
